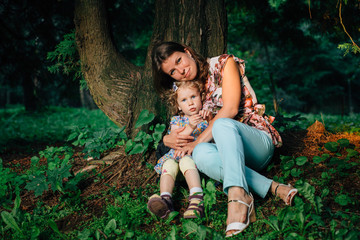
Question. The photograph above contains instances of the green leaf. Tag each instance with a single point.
(343, 199)
(56, 176)
(10, 221)
(317, 159)
(139, 136)
(72, 136)
(138, 148)
(51, 165)
(351, 153)
(34, 161)
(84, 235)
(110, 227)
(129, 234)
(147, 139)
(301, 160)
(274, 223)
(190, 227)
(343, 142)
(38, 184)
(325, 192)
(331, 146)
(288, 165)
(172, 235)
(295, 172)
(210, 195)
(325, 175)
(318, 204)
(144, 118)
(129, 145)
(171, 216)
(201, 232)
(325, 156)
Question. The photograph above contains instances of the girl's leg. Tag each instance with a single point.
(191, 174)
(162, 205)
(169, 172)
(167, 184)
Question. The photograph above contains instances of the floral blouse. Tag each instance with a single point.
(180, 121)
(250, 112)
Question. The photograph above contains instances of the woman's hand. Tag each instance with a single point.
(175, 140)
(186, 150)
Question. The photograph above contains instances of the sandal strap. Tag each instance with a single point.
(195, 205)
(196, 196)
(239, 201)
(277, 188)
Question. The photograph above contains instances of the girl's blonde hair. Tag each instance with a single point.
(173, 94)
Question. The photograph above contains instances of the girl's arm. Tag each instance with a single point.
(231, 95)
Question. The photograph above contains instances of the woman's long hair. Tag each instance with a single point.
(161, 52)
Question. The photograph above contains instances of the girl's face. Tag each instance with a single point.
(189, 100)
(180, 66)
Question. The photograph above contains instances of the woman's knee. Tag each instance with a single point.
(223, 125)
(199, 153)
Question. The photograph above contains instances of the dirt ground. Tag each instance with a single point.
(131, 171)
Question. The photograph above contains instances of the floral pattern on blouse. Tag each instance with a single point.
(180, 121)
(250, 112)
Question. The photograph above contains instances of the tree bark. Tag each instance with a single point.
(120, 89)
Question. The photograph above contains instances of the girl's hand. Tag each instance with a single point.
(175, 140)
(186, 150)
(194, 120)
(206, 114)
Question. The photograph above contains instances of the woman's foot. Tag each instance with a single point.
(240, 207)
(284, 192)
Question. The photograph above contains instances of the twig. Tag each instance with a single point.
(118, 173)
(148, 179)
(310, 10)
(341, 22)
(107, 162)
(102, 233)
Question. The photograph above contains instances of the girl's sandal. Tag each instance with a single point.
(161, 206)
(291, 194)
(195, 208)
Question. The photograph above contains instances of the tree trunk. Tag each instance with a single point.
(31, 92)
(120, 89)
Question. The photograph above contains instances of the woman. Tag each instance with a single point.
(242, 133)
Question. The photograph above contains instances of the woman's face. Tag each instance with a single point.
(180, 66)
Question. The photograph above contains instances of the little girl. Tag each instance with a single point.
(186, 100)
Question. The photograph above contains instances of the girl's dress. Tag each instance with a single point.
(180, 121)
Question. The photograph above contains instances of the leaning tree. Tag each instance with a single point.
(119, 88)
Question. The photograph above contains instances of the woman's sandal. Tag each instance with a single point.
(239, 226)
(291, 194)
(160, 206)
(195, 208)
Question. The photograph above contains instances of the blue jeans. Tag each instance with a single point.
(236, 145)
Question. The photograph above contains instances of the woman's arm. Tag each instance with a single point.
(231, 95)
(176, 140)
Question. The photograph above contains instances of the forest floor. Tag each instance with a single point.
(132, 172)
